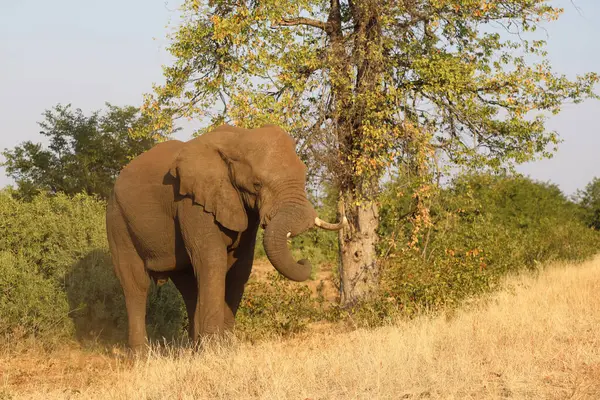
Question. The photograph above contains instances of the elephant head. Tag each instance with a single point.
(234, 172)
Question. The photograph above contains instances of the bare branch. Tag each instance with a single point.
(222, 96)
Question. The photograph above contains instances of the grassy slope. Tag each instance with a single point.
(537, 339)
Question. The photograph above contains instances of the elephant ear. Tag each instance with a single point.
(203, 173)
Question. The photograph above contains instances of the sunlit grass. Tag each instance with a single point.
(536, 339)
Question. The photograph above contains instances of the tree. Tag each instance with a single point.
(85, 153)
(372, 84)
(589, 200)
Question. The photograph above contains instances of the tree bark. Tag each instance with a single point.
(359, 269)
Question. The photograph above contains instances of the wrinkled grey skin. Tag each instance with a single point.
(189, 211)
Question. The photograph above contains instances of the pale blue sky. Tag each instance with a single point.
(86, 53)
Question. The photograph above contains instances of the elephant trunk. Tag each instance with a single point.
(288, 221)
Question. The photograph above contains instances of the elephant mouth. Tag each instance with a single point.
(318, 223)
(286, 223)
(328, 226)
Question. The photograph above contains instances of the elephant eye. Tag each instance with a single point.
(257, 186)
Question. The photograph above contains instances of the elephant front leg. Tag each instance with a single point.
(209, 317)
(207, 249)
(209, 260)
(239, 262)
(238, 275)
(187, 284)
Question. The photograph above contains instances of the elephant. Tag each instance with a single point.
(190, 211)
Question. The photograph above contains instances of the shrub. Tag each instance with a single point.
(485, 226)
(276, 307)
(52, 232)
(29, 303)
(317, 245)
(166, 317)
(56, 275)
(96, 298)
(589, 201)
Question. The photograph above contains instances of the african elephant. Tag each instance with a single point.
(189, 211)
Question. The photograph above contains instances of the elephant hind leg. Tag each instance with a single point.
(135, 300)
(134, 279)
(185, 281)
(135, 282)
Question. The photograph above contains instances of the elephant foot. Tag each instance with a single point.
(138, 352)
(216, 341)
(229, 325)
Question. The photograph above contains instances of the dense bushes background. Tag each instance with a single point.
(56, 278)
(484, 227)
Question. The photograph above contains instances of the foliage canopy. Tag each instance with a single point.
(589, 199)
(462, 77)
(84, 155)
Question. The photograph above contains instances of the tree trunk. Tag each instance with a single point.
(356, 76)
(359, 270)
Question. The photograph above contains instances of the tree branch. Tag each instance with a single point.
(334, 21)
(302, 21)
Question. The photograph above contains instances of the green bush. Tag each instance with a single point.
(56, 275)
(317, 245)
(166, 317)
(52, 232)
(29, 303)
(96, 298)
(56, 279)
(276, 307)
(589, 201)
(485, 226)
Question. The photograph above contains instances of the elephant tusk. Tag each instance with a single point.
(329, 226)
(289, 234)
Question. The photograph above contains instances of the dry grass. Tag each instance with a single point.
(537, 339)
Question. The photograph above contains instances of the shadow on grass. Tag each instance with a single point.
(98, 308)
